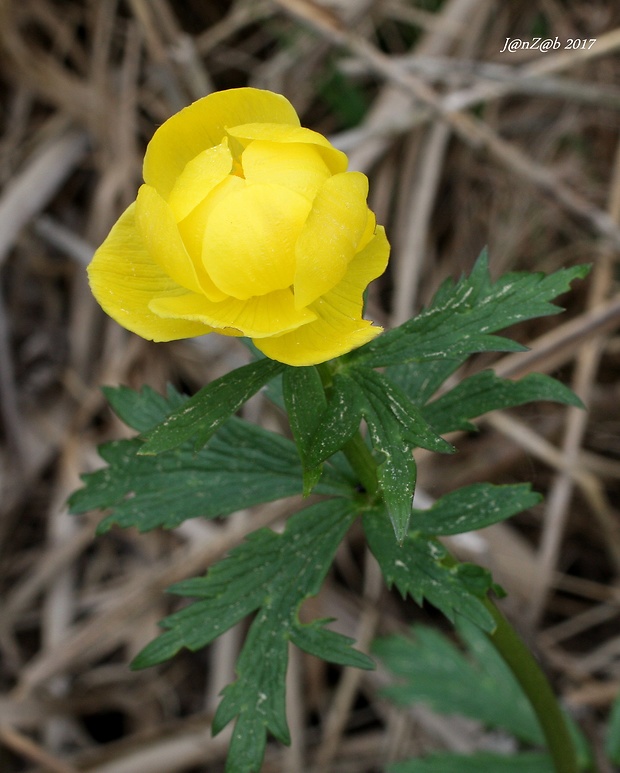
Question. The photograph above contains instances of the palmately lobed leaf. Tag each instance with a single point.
(422, 568)
(271, 574)
(243, 465)
(464, 317)
(477, 683)
(171, 474)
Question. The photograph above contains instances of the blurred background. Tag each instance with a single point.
(466, 144)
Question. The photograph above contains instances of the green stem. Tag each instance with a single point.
(537, 689)
(363, 464)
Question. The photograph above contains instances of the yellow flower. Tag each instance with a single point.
(247, 225)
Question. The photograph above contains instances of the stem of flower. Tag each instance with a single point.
(537, 689)
(363, 464)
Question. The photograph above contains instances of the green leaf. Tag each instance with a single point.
(305, 401)
(476, 684)
(142, 410)
(203, 413)
(271, 574)
(484, 762)
(243, 465)
(463, 317)
(397, 471)
(329, 645)
(420, 380)
(422, 568)
(612, 740)
(486, 392)
(339, 422)
(473, 507)
(383, 396)
(396, 428)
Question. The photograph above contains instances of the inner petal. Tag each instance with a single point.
(198, 179)
(250, 236)
(192, 230)
(296, 166)
(283, 134)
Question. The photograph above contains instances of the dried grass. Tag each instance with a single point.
(465, 147)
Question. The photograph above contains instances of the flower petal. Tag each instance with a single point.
(202, 124)
(339, 327)
(124, 278)
(197, 180)
(331, 235)
(192, 230)
(249, 239)
(367, 265)
(267, 315)
(158, 228)
(335, 159)
(298, 167)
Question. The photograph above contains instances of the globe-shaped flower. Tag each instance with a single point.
(247, 225)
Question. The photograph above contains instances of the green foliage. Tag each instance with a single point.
(473, 507)
(344, 98)
(195, 458)
(486, 392)
(145, 409)
(396, 428)
(203, 413)
(422, 568)
(338, 422)
(322, 426)
(243, 465)
(476, 683)
(612, 740)
(272, 574)
(304, 398)
(462, 320)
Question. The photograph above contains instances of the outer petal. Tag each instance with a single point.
(300, 168)
(330, 236)
(249, 239)
(339, 327)
(197, 180)
(158, 228)
(367, 265)
(335, 159)
(202, 124)
(124, 278)
(267, 315)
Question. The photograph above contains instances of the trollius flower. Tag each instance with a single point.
(247, 225)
